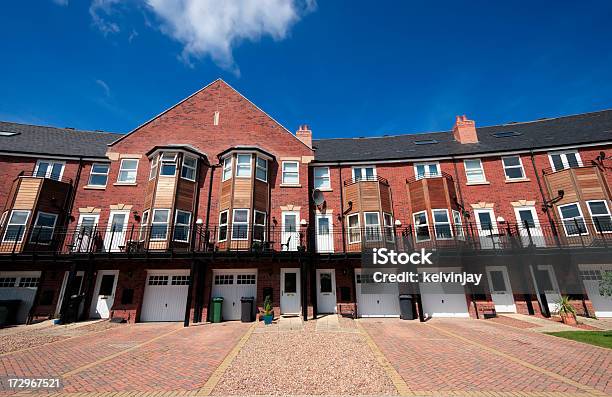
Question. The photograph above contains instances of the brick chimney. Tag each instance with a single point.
(304, 134)
(464, 130)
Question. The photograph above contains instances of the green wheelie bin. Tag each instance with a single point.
(217, 303)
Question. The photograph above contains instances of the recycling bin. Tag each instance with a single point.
(217, 305)
(406, 312)
(246, 309)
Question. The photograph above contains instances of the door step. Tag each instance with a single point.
(289, 315)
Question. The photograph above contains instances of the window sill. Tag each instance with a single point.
(517, 180)
(125, 184)
(289, 185)
(478, 183)
(93, 187)
(325, 189)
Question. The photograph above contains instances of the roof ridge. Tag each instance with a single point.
(64, 129)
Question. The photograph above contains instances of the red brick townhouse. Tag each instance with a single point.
(213, 197)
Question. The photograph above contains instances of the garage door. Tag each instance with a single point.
(443, 299)
(165, 295)
(19, 286)
(591, 276)
(384, 303)
(232, 285)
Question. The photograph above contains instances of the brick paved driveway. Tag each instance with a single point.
(483, 356)
(140, 357)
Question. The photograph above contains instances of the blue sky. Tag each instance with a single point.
(347, 68)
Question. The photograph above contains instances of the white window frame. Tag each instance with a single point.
(284, 172)
(520, 166)
(240, 223)
(50, 169)
(154, 167)
(227, 168)
(325, 178)
(447, 223)
(153, 223)
(121, 169)
(363, 176)
(244, 166)
(255, 224)
(170, 160)
(427, 174)
(599, 215)
(349, 228)
(193, 168)
(34, 232)
(425, 225)
(142, 232)
(226, 225)
(260, 168)
(376, 228)
(458, 225)
(92, 173)
(186, 225)
(3, 218)
(577, 204)
(479, 172)
(8, 223)
(563, 155)
(388, 227)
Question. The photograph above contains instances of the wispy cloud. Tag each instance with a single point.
(61, 2)
(104, 86)
(132, 35)
(100, 11)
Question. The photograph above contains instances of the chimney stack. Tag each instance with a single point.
(464, 130)
(304, 134)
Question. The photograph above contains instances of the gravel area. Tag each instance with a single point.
(305, 362)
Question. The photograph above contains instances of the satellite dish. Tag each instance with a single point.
(317, 197)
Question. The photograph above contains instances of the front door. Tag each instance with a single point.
(290, 236)
(84, 238)
(501, 292)
(114, 238)
(325, 239)
(326, 291)
(104, 293)
(290, 291)
(487, 228)
(74, 289)
(529, 226)
(546, 283)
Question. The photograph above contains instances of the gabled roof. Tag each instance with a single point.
(544, 133)
(63, 142)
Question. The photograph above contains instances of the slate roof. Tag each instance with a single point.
(561, 131)
(33, 139)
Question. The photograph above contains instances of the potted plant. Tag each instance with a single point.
(567, 311)
(268, 314)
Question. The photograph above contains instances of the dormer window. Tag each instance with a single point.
(168, 164)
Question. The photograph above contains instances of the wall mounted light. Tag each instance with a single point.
(199, 221)
(398, 223)
(303, 223)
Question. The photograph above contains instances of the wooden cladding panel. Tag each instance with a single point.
(578, 184)
(11, 195)
(27, 193)
(164, 195)
(185, 195)
(437, 193)
(385, 198)
(242, 193)
(148, 203)
(261, 196)
(351, 193)
(417, 196)
(370, 200)
(226, 195)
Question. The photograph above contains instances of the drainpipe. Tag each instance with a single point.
(342, 209)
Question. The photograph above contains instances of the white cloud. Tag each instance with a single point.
(61, 2)
(100, 10)
(104, 86)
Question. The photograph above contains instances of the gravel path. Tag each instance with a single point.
(305, 362)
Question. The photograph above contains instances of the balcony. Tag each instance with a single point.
(367, 194)
(432, 192)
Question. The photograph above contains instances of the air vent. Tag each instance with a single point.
(506, 134)
(8, 133)
(426, 142)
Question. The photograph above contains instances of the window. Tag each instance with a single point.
(28, 282)
(227, 168)
(442, 224)
(158, 280)
(99, 174)
(321, 178)
(224, 279)
(180, 280)
(564, 160)
(243, 166)
(188, 171)
(261, 171)
(421, 226)
(49, 169)
(127, 171)
(354, 234)
(259, 226)
(573, 221)
(42, 232)
(506, 134)
(7, 282)
(372, 226)
(245, 279)
(240, 224)
(291, 173)
(388, 223)
(426, 142)
(474, 171)
(427, 170)
(142, 234)
(223, 226)
(459, 232)
(3, 218)
(154, 165)
(182, 222)
(364, 173)
(600, 214)
(16, 225)
(159, 225)
(513, 167)
(168, 164)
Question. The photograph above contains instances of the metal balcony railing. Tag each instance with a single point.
(374, 178)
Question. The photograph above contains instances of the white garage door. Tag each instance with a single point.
(443, 299)
(165, 295)
(591, 276)
(232, 285)
(19, 286)
(384, 303)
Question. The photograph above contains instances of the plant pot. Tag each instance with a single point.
(568, 319)
(267, 318)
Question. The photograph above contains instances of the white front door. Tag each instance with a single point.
(290, 291)
(325, 236)
(546, 283)
(443, 299)
(75, 288)
(591, 276)
(529, 225)
(114, 237)
(83, 239)
(104, 293)
(376, 300)
(501, 291)
(165, 295)
(290, 236)
(487, 228)
(326, 291)
(231, 285)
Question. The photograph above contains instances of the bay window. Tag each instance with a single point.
(372, 226)
(259, 226)
(354, 233)
(42, 232)
(188, 170)
(573, 220)
(15, 227)
(240, 224)
(421, 226)
(388, 224)
(442, 224)
(182, 223)
(168, 164)
(223, 218)
(159, 225)
(458, 222)
(227, 168)
(243, 166)
(600, 214)
(261, 171)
